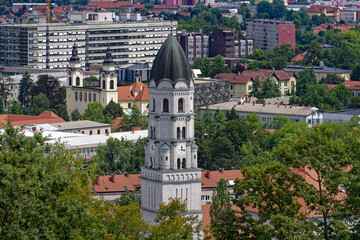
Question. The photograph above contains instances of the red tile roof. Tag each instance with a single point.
(135, 91)
(18, 120)
(139, 6)
(352, 85)
(105, 185)
(246, 76)
(319, 9)
(110, 4)
(157, 7)
(116, 121)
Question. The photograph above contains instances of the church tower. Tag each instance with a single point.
(108, 80)
(75, 77)
(171, 153)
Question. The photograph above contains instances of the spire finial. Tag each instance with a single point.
(171, 25)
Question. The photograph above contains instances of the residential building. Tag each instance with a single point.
(354, 86)
(349, 15)
(134, 95)
(265, 112)
(111, 5)
(321, 71)
(195, 45)
(241, 83)
(341, 116)
(328, 11)
(224, 42)
(10, 87)
(170, 169)
(268, 34)
(83, 127)
(49, 45)
(21, 120)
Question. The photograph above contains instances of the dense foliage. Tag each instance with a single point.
(45, 194)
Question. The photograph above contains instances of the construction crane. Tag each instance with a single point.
(48, 11)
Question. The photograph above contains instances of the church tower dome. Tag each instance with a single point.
(171, 65)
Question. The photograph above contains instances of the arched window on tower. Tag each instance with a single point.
(103, 84)
(153, 105)
(77, 81)
(166, 105)
(183, 163)
(181, 105)
(151, 163)
(94, 97)
(178, 163)
(112, 84)
(183, 133)
(154, 135)
(178, 133)
(70, 81)
(151, 132)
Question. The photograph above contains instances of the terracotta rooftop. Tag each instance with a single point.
(246, 76)
(110, 4)
(352, 85)
(19, 120)
(135, 91)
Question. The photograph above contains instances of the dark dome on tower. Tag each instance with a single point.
(74, 57)
(171, 63)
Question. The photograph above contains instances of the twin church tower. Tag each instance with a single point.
(170, 153)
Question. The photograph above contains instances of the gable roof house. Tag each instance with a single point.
(241, 83)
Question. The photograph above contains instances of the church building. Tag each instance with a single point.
(171, 169)
(78, 95)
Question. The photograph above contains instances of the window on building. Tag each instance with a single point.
(85, 97)
(153, 105)
(90, 132)
(166, 105)
(70, 82)
(103, 84)
(98, 131)
(106, 131)
(76, 96)
(285, 84)
(183, 133)
(183, 163)
(80, 96)
(180, 105)
(77, 81)
(89, 95)
(178, 133)
(94, 97)
(129, 105)
(112, 84)
(178, 163)
(205, 197)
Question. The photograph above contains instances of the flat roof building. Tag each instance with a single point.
(341, 116)
(48, 46)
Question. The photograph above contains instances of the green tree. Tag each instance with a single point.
(342, 93)
(354, 102)
(49, 86)
(270, 89)
(355, 73)
(39, 104)
(256, 89)
(94, 112)
(128, 198)
(15, 108)
(113, 109)
(305, 78)
(75, 115)
(332, 79)
(172, 223)
(315, 51)
(221, 213)
(61, 111)
(273, 190)
(279, 121)
(320, 157)
(2, 109)
(114, 156)
(135, 119)
(26, 83)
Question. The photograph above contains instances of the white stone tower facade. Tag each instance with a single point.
(171, 153)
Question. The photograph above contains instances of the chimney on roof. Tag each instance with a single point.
(246, 98)
(285, 105)
(264, 103)
(253, 103)
(207, 174)
(243, 103)
(221, 170)
(34, 129)
(134, 129)
(22, 128)
(278, 105)
(112, 178)
(107, 133)
(323, 41)
(97, 179)
(269, 103)
(309, 106)
(126, 174)
(239, 103)
(290, 106)
(232, 168)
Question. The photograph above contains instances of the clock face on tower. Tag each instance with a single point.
(181, 149)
